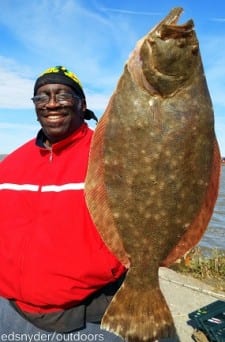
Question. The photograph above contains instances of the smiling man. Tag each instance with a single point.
(56, 273)
(60, 103)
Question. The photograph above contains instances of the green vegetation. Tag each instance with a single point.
(208, 267)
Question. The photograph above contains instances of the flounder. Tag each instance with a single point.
(153, 172)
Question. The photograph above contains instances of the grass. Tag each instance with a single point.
(208, 267)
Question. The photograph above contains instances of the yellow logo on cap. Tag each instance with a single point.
(66, 72)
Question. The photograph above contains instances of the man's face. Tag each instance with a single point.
(59, 114)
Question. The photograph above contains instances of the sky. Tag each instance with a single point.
(94, 39)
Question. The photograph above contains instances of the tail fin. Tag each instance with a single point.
(139, 316)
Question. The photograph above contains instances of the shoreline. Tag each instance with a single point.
(185, 294)
(208, 267)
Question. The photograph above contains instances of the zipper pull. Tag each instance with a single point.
(51, 156)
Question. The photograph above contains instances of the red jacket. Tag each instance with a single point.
(51, 255)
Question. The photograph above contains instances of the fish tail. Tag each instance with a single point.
(139, 317)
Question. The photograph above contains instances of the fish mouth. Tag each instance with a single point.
(168, 27)
(172, 17)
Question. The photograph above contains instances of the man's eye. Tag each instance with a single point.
(40, 98)
(64, 96)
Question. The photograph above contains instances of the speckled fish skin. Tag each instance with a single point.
(153, 170)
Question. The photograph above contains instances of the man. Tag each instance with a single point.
(56, 275)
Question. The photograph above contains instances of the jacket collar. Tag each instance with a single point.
(76, 135)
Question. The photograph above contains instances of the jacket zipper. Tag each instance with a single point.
(51, 155)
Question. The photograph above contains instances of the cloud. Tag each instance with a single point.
(222, 20)
(65, 33)
(68, 33)
(14, 86)
(122, 11)
(97, 102)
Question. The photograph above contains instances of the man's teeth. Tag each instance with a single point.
(54, 117)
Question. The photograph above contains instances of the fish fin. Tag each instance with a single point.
(139, 316)
(96, 194)
(194, 233)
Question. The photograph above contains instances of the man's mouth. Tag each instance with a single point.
(54, 118)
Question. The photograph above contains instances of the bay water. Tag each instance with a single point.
(214, 237)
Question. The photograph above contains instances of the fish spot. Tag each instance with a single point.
(152, 134)
(148, 215)
(183, 194)
(149, 202)
(202, 182)
(152, 178)
(162, 185)
(163, 213)
(153, 192)
(178, 221)
(139, 124)
(115, 162)
(116, 214)
(157, 216)
(172, 177)
(186, 225)
(158, 147)
(174, 162)
(181, 158)
(156, 156)
(151, 102)
(167, 153)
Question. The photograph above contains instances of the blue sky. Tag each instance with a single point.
(93, 38)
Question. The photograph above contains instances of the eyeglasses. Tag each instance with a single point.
(43, 99)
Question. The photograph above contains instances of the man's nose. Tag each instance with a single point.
(52, 101)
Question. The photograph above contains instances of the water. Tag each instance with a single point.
(214, 236)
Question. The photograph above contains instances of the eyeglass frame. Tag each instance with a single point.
(56, 98)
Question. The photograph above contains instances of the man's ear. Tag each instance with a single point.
(81, 108)
(83, 105)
